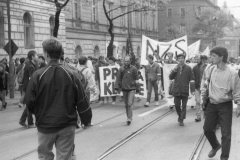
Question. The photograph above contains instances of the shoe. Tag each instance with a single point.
(171, 107)
(157, 104)
(192, 107)
(113, 103)
(181, 123)
(179, 120)
(128, 122)
(198, 119)
(23, 124)
(147, 104)
(20, 105)
(213, 152)
(5, 105)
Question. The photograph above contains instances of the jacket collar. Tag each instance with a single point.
(54, 62)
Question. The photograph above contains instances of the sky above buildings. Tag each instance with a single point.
(234, 6)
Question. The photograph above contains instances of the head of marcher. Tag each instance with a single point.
(203, 59)
(219, 55)
(82, 60)
(150, 59)
(41, 59)
(181, 58)
(22, 60)
(111, 60)
(52, 49)
(32, 56)
(170, 56)
(127, 61)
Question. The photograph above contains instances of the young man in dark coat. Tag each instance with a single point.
(55, 95)
(182, 75)
(31, 65)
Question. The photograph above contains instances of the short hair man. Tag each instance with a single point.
(31, 65)
(55, 95)
(182, 75)
(153, 72)
(127, 81)
(222, 90)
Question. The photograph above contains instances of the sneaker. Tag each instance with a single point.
(157, 104)
(23, 124)
(20, 105)
(128, 122)
(5, 105)
(147, 104)
(198, 119)
(181, 123)
(213, 152)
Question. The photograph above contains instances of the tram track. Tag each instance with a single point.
(133, 135)
(198, 148)
(26, 154)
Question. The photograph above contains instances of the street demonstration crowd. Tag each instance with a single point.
(59, 91)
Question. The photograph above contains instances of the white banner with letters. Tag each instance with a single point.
(177, 46)
(108, 76)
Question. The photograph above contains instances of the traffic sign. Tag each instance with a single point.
(14, 48)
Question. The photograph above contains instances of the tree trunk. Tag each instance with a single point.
(56, 27)
(110, 45)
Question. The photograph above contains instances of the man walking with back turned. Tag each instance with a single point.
(55, 95)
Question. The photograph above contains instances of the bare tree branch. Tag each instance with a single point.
(66, 2)
(120, 7)
(135, 10)
(105, 11)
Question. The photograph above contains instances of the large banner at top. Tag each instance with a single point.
(177, 46)
(193, 49)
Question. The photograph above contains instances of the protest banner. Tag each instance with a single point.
(193, 49)
(176, 46)
(206, 52)
(108, 76)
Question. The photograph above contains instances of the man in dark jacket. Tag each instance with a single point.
(55, 95)
(127, 81)
(3, 86)
(198, 73)
(31, 65)
(182, 75)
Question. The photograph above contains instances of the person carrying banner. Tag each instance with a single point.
(182, 75)
(127, 81)
(153, 73)
(55, 95)
(218, 94)
(198, 72)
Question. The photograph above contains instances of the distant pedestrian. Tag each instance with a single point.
(153, 73)
(31, 65)
(182, 75)
(127, 81)
(19, 73)
(222, 86)
(198, 71)
(3, 86)
(55, 95)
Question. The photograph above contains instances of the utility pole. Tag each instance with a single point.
(11, 64)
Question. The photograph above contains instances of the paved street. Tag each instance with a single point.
(151, 135)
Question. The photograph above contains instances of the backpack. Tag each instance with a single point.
(20, 75)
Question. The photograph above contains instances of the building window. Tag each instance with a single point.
(77, 9)
(183, 13)
(169, 12)
(139, 52)
(96, 51)
(123, 18)
(2, 43)
(95, 10)
(28, 31)
(123, 51)
(78, 51)
(145, 21)
(153, 21)
(182, 28)
(52, 24)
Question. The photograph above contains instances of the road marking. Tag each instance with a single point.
(151, 111)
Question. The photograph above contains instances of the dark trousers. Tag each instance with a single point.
(128, 101)
(222, 114)
(26, 115)
(181, 105)
(150, 85)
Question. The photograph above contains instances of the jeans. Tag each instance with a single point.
(222, 114)
(198, 102)
(64, 143)
(26, 115)
(181, 105)
(154, 85)
(128, 97)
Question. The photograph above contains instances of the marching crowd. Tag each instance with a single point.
(59, 91)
